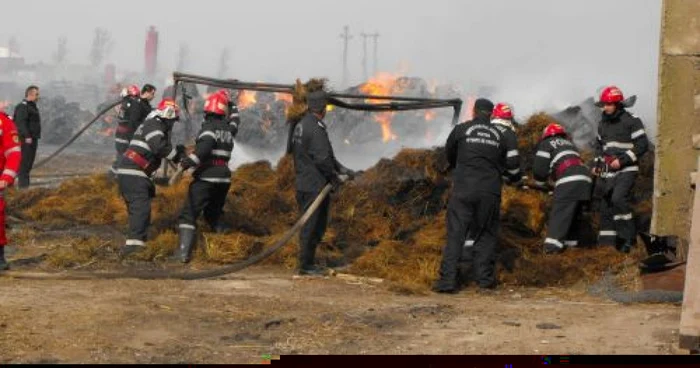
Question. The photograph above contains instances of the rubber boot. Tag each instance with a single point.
(4, 265)
(187, 239)
(128, 250)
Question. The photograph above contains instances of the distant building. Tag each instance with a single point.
(10, 61)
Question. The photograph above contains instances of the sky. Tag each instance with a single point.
(536, 54)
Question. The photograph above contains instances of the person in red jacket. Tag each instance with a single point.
(10, 158)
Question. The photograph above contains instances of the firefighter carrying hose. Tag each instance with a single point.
(149, 146)
(315, 166)
(621, 143)
(212, 176)
(129, 118)
(480, 153)
(10, 158)
(558, 158)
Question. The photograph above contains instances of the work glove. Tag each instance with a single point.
(337, 181)
(180, 153)
(546, 188)
(187, 163)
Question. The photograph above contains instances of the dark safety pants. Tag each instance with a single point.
(25, 167)
(207, 197)
(475, 216)
(616, 217)
(563, 226)
(314, 229)
(138, 193)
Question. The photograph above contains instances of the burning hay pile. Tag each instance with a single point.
(389, 223)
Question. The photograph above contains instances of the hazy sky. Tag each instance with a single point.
(537, 53)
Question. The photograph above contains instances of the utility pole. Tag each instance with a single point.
(375, 36)
(365, 36)
(346, 38)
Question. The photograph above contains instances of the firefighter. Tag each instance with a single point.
(621, 143)
(10, 158)
(315, 165)
(481, 154)
(212, 176)
(148, 93)
(130, 117)
(149, 146)
(557, 158)
(503, 116)
(28, 122)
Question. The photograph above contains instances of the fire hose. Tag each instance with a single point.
(77, 135)
(175, 274)
(393, 104)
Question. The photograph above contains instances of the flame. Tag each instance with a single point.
(430, 115)
(284, 97)
(247, 99)
(384, 119)
(382, 84)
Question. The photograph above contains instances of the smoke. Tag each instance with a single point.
(539, 55)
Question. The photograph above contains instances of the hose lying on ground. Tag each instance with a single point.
(77, 135)
(174, 274)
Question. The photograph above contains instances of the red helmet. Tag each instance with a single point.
(552, 130)
(611, 95)
(168, 109)
(217, 103)
(226, 94)
(502, 111)
(133, 90)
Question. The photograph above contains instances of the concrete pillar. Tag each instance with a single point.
(678, 118)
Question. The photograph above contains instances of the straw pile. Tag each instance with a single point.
(389, 223)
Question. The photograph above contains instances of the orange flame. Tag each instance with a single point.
(247, 99)
(384, 119)
(430, 115)
(284, 97)
(383, 84)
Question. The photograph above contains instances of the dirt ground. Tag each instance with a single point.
(267, 311)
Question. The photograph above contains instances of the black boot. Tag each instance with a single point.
(445, 288)
(187, 239)
(4, 265)
(552, 249)
(313, 271)
(131, 249)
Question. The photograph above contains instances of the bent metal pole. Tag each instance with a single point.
(385, 103)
